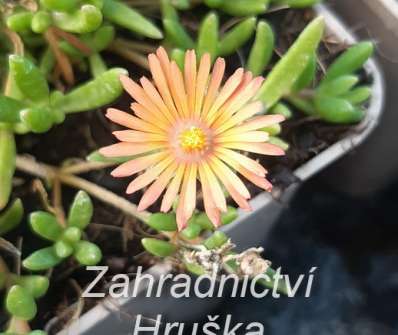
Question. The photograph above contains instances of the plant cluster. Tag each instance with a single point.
(51, 43)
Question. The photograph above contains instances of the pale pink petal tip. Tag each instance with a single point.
(107, 151)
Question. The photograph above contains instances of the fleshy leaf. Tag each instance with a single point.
(45, 225)
(87, 253)
(158, 247)
(42, 259)
(163, 221)
(20, 303)
(287, 71)
(81, 211)
(11, 217)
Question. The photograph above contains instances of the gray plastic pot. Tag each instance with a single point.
(117, 316)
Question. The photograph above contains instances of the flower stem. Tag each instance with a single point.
(44, 171)
(85, 167)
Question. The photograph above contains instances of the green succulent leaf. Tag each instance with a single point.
(178, 55)
(297, 3)
(42, 259)
(20, 303)
(60, 5)
(192, 231)
(63, 249)
(358, 95)
(37, 286)
(237, 36)
(337, 110)
(213, 3)
(97, 65)
(308, 75)
(176, 34)
(273, 130)
(20, 22)
(95, 156)
(216, 240)
(94, 94)
(288, 70)
(158, 247)
(208, 36)
(45, 225)
(338, 86)
(275, 140)
(81, 211)
(47, 62)
(126, 17)
(203, 220)
(100, 39)
(87, 253)
(29, 79)
(10, 109)
(350, 61)
(41, 21)
(262, 49)
(37, 119)
(181, 4)
(7, 166)
(282, 109)
(244, 7)
(195, 269)
(84, 20)
(162, 221)
(168, 10)
(12, 217)
(72, 235)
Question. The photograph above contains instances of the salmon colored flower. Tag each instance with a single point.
(187, 127)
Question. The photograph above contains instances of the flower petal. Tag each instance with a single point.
(178, 90)
(251, 176)
(203, 76)
(237, 101)
(138, 136)
(232, 157)
(130, 121)
(228, 178)
(156, 189)
(229, 87)
(148, 176)
(138, 93)
(213, 213)
(187, 201)
(164, 60)
(138, 164)
(258, 148)
(190, 73)
(129, 149)
(250, 136)
(215, 82)
(244, 114)
(217, 192)
(257, 122)
(161, 83)
(172, 190)
(150, 118)
(151, 91)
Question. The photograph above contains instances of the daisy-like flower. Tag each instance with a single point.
(188, 127)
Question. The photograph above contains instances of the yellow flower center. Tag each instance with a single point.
(193, 138)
